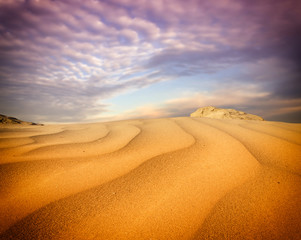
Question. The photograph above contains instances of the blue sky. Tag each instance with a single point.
(105, 60)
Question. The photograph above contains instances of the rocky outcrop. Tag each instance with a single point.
(220, 113)
(12, 120)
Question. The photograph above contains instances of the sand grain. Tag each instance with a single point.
(180, 178)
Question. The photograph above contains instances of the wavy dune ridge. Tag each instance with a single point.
(178, 178)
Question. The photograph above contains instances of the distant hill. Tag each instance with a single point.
(220, 113)
(12, 120)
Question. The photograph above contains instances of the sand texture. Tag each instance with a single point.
(177, 178)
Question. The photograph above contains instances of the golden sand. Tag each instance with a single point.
(178, 178)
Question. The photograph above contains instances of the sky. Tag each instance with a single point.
(105, 60)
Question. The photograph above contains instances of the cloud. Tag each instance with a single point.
(67, 58)
(245, 98)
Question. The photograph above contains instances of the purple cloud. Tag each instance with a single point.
(67, 57)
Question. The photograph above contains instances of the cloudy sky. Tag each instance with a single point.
(103, 60)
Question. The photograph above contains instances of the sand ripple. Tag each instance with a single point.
(181, 178)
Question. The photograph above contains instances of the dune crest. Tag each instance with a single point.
(177, 178)
(220, 113)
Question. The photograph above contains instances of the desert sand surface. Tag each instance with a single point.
(176, 178)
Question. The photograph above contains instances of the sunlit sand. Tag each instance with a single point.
(177, 178)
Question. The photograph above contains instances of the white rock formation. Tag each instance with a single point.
(220, 113)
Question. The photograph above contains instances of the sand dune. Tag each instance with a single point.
(178, 178)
